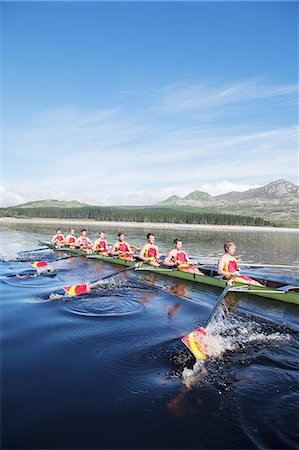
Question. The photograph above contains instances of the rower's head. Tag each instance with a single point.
(121, 236)
(83, 232)
(101, 234)
(72, 231)
(177, 244)
(230, 247)
(58, 231)
(150, 238)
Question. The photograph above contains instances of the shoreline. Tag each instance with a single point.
(148, 225)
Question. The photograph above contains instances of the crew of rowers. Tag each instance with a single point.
(149, 253)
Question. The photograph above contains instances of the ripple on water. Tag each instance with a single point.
(104, 304)
(33, 281)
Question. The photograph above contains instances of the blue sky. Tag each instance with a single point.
(131, 102)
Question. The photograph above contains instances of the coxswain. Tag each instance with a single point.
(84, 242)
(58, 239)
(179, 258)
(122, 249)
(100, 245)
(71, 239)
(228, 265)
(150, 252)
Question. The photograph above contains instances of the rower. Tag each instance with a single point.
(122, 249)
(150, 252)
(100, 245)
(227, 265)
(58, 239)
(179, 258)
(84, 242)
(70, 240)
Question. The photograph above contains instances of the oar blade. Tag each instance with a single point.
(76, 289)
(195, 343)
(38, 264)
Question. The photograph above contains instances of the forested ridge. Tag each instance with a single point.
(158, 214)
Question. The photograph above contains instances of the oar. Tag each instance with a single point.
(214, 261)
(38, 264)
(192, 340)
(36, 250)
(267, 265)
(78, 289)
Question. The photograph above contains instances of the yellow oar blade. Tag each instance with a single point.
(194, 342)
(38, 264)
(76, 289)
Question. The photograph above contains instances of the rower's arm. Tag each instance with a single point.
(114, 251)
(129, 249)
(220, 268)
(141, 253)
(168, 260)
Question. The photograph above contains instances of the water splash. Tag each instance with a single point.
(237, 333)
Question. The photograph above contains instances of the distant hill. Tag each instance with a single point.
(277, 200)
(276, 203)
(277, 191)
(196, 198)
(51, 203)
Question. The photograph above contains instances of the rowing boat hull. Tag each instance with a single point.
(289, 297)
(284, 296)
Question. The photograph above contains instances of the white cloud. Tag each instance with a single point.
(223, 187)
(204, 97)
(10, 198)
(120, 156)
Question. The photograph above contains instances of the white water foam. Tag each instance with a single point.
(234, 334)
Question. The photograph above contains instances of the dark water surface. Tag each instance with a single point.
(108, 370)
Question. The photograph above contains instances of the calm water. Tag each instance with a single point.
(108, 370)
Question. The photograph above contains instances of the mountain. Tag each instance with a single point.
(51, 203)
(277, 191)
(195, 198)
(278, 200)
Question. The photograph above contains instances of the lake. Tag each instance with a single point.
(108, 370)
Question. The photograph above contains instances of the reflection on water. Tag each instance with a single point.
(108, 370)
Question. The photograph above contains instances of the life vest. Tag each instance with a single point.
(182, 258)
(231, 266)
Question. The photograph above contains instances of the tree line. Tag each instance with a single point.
(138, 214)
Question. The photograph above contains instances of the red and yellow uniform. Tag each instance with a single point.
(71, 241)
(124, 248)
(85, 244)
(59, 240)
(231, 266)
(184, 265)
(102, 247)
(150, 253)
